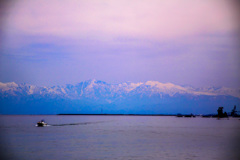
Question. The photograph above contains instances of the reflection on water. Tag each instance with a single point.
(119, 137)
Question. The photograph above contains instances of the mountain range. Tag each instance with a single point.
(99, 97)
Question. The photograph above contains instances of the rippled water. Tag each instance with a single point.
(119, 137)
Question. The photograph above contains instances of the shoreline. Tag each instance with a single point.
(63, 114)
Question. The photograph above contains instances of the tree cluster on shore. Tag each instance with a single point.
(220, 114)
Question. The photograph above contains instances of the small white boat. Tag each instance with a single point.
(41, 123)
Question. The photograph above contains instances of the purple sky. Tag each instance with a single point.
(188, 42)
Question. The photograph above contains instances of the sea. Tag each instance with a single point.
(98, 137)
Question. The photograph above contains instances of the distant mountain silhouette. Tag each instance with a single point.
(94, 97)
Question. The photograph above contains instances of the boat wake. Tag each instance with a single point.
(71, 124)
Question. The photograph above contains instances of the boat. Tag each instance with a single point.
(41, 123)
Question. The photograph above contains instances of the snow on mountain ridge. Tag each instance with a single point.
(7, 86)
(164, 85)
(129, 86)
(168, 88)
(99, 88)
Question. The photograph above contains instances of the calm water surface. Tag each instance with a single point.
(119, 137)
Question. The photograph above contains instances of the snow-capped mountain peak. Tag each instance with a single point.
(163, 85)
(168, 88)
(99, 88)
(93, 96)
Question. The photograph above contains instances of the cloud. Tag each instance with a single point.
(184, 42)
(106, 20)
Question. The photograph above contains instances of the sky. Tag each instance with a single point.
(187, 42)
